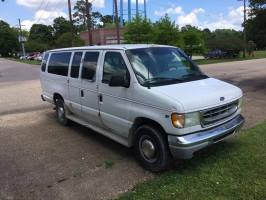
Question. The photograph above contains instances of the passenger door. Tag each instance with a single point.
(89, 88)
(114, 101)
(74, 83)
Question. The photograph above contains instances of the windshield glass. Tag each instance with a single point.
(166, 65)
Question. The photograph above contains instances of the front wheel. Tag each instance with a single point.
(151, 148)
(61, 112)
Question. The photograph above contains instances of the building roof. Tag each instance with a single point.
(111, 47)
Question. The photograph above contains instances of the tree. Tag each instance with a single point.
(107, 19)
(8, 39)
(61, 26)
(35, 46)
(41, 33)
(193, 40)
(166, 32)
(226, 39)
(65, 41)
(139, 30)
(79, 15)
(256, 24)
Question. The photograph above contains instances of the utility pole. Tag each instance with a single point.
(88, 13)
(21, 39)
(244, 29)
(117, 22)
(71, 23)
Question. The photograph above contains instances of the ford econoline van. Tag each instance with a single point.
(149, 97)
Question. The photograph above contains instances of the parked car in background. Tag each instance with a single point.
(38, 57)
(149, 97)
(221, 54)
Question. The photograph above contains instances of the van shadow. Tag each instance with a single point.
(96, 138)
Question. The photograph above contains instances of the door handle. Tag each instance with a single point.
(81, 93)
(100, 97)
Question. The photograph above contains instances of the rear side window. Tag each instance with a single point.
(76, 65)
(59, 63)
(89, 65)
(44, 62)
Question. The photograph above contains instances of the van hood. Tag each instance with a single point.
(201, 94)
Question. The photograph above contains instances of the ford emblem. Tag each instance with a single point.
(222, 98)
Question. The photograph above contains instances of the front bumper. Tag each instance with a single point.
(183, 147)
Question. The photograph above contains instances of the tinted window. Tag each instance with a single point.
(44, 61)
(59, 63)
(114, 65)
(90, 65)
(76, 64)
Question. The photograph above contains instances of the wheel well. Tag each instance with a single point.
(57, 96)
(139, 122)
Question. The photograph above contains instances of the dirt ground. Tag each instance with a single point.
(40, 159)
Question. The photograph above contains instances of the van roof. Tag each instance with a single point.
(110, 47)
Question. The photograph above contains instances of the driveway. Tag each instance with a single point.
(39, 159)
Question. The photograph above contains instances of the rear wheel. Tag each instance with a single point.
(151, 148)
(60, 112)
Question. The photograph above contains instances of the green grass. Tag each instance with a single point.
(226, 171)
(258, 54)
(31, 62)
(108, 164)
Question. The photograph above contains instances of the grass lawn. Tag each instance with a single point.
(258, 54)
(32, 62)
(226, 171)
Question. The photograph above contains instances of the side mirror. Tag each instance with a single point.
(119, 81)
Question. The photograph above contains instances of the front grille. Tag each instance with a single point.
(217, 114)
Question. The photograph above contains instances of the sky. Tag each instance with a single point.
(212, 14)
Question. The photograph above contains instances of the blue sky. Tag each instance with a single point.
(211, 14)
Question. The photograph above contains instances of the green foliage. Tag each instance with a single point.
(41, 33)
(61, 26)
(225, 39)
(65, 41)
(193, 40)
(35, 46)
(139, 30)
(256, 24)
(166, 32)
(8, 39)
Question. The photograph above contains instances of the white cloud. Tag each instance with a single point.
(232, 20)
(190, 18)
(52, 4)
(43, 17)
(48, 10)
(175, 10)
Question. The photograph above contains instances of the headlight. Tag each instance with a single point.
(192, 119)
(185, 120)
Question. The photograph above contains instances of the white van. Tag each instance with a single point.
(150, 97)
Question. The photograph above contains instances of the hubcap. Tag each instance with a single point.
(148, 149)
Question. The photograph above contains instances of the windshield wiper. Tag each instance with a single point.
(194, 76)
(159, 80)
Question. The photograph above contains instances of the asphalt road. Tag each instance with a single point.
(39, 159)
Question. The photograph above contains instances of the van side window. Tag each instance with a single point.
(59, 63)
(75, 65)
(89, 65)
(114, 65)
(44, 61)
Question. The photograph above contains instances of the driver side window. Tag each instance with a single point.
(114, 65)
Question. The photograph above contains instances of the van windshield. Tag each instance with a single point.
(156, 66)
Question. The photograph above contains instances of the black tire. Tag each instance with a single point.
(61, 112)
(152, 137)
